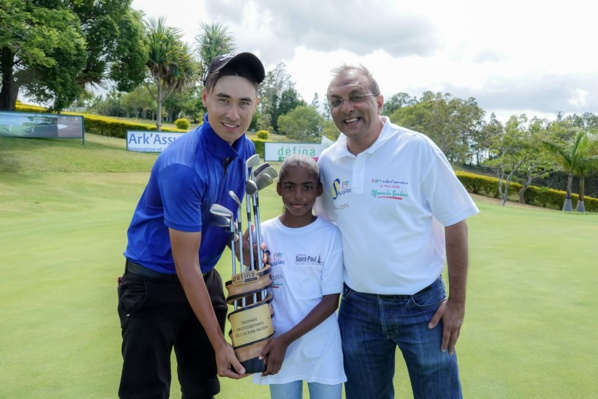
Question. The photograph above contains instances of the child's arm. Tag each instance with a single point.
(276, 348)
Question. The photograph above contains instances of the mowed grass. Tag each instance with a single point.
(530, 327)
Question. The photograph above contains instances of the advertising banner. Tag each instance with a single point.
(277, 152)
(29, 124)
(144, 141)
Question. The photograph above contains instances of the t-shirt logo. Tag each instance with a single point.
(308, 260)
(277, 258)
(339, 188)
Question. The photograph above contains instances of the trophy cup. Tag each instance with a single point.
(251, 319)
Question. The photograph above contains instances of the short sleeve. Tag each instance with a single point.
(181, 194)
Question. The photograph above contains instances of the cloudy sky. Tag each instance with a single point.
(513, 57)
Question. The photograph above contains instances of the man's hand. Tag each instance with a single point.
(452, 311)
(228, 364)
(452, 316)
(254, 248)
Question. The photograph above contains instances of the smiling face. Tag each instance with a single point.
(358, 115)
(299, 189)
(231, 105)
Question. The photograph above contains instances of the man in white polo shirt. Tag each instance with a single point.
(401, 211)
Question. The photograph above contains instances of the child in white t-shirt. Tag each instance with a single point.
(307, 274)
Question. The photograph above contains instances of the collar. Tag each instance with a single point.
(216, 146)
(388, 130)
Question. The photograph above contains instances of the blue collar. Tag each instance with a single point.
(217, 147)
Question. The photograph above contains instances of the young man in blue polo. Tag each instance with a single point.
(170, 295)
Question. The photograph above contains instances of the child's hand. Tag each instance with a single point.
(273, 355)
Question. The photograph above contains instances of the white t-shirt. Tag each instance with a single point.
(306, 265)
(390, 203)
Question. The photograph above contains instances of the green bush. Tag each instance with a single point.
(260, 146)
(479, 184)
(182, 123)
(30, 108)
(105, 125)
(117, 128)
(263, 134)
(538, 196)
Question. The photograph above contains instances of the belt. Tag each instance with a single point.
(423, 290)
(136, 268)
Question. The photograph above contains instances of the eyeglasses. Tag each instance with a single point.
(354, 98)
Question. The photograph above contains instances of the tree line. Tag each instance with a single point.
(57, 51)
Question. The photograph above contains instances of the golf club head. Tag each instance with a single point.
(252, 162)
(270, 171)
(260, 168)
(221, 221)
(234, 197)
(217, 209)
(263, 180)
(250, 187)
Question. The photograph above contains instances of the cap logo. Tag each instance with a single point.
(226, 57)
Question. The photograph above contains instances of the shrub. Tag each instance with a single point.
(479, 184)
(538, 196)
(105, 125)
(182, 123)
(30, 108)
(263, 134)
(108, 126)
(260, 147)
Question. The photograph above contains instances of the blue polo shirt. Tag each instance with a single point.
(192, 173)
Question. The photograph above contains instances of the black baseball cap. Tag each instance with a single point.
(245, 61)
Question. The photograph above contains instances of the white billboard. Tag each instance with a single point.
(277, 152)
(142, 141)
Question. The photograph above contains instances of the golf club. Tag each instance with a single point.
(219, 210)
(268, 170)
(253, 161)
(260, 168)
(239, 224)
(221, 221)
(262, 181)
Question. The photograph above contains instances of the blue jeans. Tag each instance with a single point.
(294, 390)
(372, 326)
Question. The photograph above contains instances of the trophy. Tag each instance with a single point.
(251, 319)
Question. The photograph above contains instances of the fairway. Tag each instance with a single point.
(530, 329)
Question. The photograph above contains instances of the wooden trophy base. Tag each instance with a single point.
(251, 328)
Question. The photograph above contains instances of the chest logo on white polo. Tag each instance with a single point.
(340, 188)
(388, 189)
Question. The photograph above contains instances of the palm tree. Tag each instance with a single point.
(212, 42)
(170, 62)
(585, 167)
(577, 160)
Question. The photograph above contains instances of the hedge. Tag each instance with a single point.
(534, 195)
(30, 108)
(102, 125)
(260, 146)
(116, 128)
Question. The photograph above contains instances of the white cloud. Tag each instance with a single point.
(579, 98)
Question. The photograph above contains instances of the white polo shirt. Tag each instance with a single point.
(390, 203)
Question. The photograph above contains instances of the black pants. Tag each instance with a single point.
(155, 317)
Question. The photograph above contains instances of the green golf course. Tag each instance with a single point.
(530, 325)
